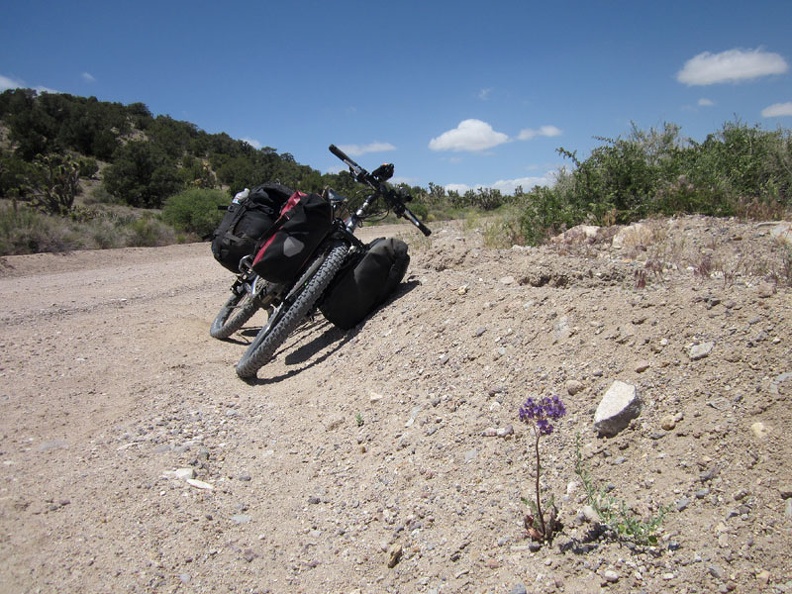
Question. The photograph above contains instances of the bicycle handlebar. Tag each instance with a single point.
(391, 196)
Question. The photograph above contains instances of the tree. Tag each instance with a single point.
(56, 184)
(142, 175)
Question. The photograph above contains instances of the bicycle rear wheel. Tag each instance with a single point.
(239, 308)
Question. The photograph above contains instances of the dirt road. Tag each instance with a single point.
(390, 458)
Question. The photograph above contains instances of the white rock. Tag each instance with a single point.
(617, 408)
(699, 351)
(782, 232)
(759, 430)
(180, 473)
(632, 236)
(590, 514)
(199, 484)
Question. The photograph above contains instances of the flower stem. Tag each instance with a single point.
(538, 498)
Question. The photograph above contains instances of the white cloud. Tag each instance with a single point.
(252, 142)
(470, 135)
(730, 66)
(484, 94)
(507, 186)
(704, 102)
(88, 77)
(778, 110)
(529, 133)
(7, 83)
(356, 150)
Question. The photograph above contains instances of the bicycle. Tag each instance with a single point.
(292, 303)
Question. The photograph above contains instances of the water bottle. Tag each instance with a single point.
(240, 196)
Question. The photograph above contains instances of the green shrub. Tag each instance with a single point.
(740, 171)
(98, 194)
(24, 230)
(102, 233)
(149, 232)
(545, 212)
(504, 230)
(195, 210)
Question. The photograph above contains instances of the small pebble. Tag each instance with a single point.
(395, 555)
(759, 430)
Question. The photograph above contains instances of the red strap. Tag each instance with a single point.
(285, 215)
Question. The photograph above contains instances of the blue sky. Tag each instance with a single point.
(462, 94)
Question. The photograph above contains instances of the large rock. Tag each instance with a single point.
(782, 232)
(633, 236)
(618, 407)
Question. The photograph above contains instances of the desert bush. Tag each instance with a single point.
(99, 195)
(503, 230)
(739, 171)
(195, 210)
(149, 232)
(545, 212)
(24, 230)
(101, 233)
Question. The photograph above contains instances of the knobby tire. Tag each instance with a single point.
(233, 315)
(291, 314)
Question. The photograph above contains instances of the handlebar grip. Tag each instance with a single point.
(339, 153)
(423, 228)
(360, 174)
(414, 220)
(380, 187)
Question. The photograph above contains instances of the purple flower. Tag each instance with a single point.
(540, 413)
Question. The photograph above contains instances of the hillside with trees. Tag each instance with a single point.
(145, 159)
(79, 173)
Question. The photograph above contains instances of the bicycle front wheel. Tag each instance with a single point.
(293, 310)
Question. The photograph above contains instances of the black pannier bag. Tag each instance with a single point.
(246, 221)
(368, 283)
(304, 221)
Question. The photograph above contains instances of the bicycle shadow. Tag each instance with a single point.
(302, 355)
(315, 342)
